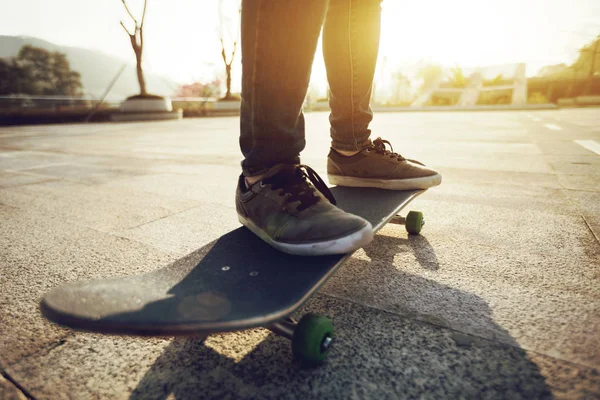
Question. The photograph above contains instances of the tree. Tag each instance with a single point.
(227, 34)
(580, 75)
(199, 89)
(554, 70)
(9, 77)
(591, 58)
(36, 71)
(137, 43)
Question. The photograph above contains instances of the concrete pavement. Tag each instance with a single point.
(499, 296)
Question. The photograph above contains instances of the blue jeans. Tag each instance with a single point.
(279, 39)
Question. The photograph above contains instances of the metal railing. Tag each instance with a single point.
(21, 101)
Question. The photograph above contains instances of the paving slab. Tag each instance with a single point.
(527, 197)
(215, 184)
(39, 252)
(577, 168)
(497, 162)
(93, 206)
(580, 182)
(508, 179)
(187, 231)
(23, 160)
(483, 291)
(563, 147)
(588, 201)
(84, 173)
(376, 355)
(529, 231)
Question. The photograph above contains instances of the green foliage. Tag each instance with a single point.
(586, 58)
(496, 81)
(444, 99)
(537, 98)
(36, 71)
(579, 78)
(457, 78)
(9, 77)
(495, 97)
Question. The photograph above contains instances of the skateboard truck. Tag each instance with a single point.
(311, 338)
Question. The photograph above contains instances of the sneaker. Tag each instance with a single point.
(293, 210)
(378, 167)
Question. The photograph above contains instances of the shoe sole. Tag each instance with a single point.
(342, 245)
(392, 184)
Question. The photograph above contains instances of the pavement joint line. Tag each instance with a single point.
(178, 255)
(161, 218)
(29, 184)
(8, 205)
(591, 230)
(590, 145)
(44, 166)
(16, 384)
(45, 350)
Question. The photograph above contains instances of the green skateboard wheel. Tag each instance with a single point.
(414, 222)
(312, 339)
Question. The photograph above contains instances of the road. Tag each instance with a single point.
(499, 296)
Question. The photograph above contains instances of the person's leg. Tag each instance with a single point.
(350, 47)
(285, 204)
(279, 40)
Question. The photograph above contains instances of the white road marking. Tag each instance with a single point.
(591, 145)
(554, 127)
(536, 119)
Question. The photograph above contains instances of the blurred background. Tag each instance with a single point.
(69, 58)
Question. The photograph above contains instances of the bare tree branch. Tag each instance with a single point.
(141, 37)
(129, 12)
(233, 52)
(223, 52)
(144, 14)
(126, 30)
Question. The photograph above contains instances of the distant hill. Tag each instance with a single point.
(97, 69)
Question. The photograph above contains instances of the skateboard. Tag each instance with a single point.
(236, 282)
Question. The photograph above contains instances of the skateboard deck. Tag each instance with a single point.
(234, 283)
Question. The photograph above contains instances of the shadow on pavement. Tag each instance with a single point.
(377, 354)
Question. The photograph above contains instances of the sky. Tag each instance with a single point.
(182, 36)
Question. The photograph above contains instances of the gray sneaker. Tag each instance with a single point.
(293, 210)
(379, 167)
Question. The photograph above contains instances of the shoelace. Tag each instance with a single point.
(379, 148)
(292, 179)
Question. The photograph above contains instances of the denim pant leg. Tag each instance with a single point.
(350, 47)
(279, 40)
